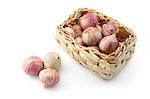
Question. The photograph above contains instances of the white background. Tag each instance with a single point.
(27, 27)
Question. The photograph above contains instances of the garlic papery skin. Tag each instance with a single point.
(79, 40)
(70, 31)
(110, 28)
(52, 60)
(49, 77)
(88, 20)
(108, 44)
(33, 65)
(91, 35)
(77, 29)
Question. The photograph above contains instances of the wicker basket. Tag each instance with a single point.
(106, 66)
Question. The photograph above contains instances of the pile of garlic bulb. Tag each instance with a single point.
(46, 69)
(89, 33)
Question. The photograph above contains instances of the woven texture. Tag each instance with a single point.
(105, 66)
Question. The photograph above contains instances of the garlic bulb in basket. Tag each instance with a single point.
(91, 35)
(108, 44)
(110, 28)
(77, 29)
(79, 40)
(88, 20)
(70, 31)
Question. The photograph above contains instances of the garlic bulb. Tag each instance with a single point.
(49, 77)
(33, 65)
(91, 36)
(79, 40)
(88, 20)
(77, 29)
(52, 60)
(110, 28)
(108, 44)
(70, 31)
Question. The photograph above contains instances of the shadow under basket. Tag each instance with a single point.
(105, 66)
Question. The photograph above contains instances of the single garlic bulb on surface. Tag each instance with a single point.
(110, 28)
(77, 29)
(70, 31)
(33, 65)
(79, 40)
(52, 60)
(108, 44)
(88, 20)
(91, 35)
(49, 77)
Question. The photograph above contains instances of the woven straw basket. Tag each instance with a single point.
(105, 66)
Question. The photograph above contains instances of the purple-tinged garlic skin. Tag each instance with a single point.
(70, 31)
(91, 35)
(79, 40)
(49, 77)
(110, 28)
(33, 65)
(88, 20)
(77, 29)
(108, 44)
